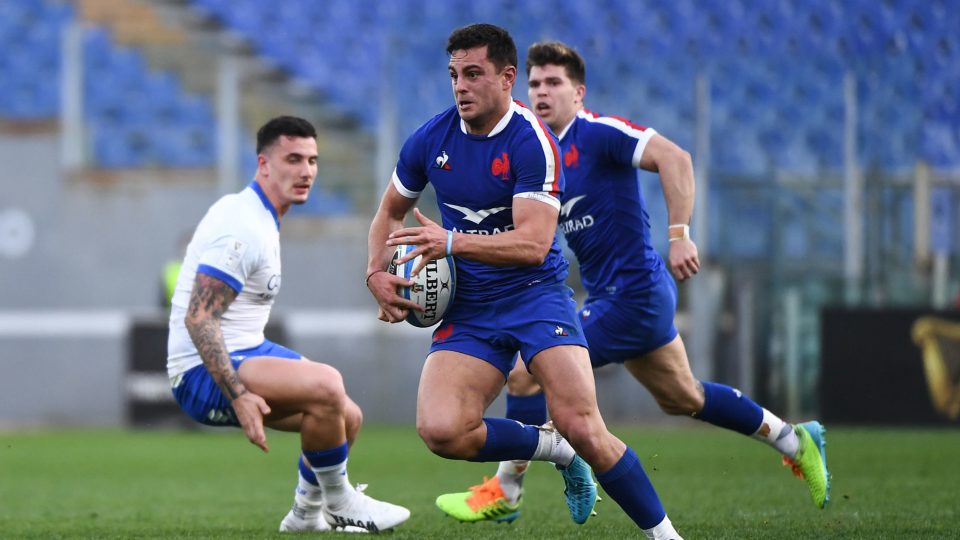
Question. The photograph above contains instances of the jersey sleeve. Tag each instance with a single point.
(622, 141)
(231, 258)
(410, 175)
(536, 167)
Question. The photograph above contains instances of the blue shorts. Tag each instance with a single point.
(537, 318)
(623, 327)
(201, 398)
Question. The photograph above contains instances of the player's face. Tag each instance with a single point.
(482, 94)
(554, 96)
(287, 168)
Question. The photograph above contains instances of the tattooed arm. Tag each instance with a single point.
(208, 302)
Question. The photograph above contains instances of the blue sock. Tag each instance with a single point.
(326, 458)
(627, 483)
(506, 440)
(530, 410)
(306, 472)
(728, 408)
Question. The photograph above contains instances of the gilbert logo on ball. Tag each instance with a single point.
(433, 288)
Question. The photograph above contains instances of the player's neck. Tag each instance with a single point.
(483, 126)
(268, 190)
(561, 124)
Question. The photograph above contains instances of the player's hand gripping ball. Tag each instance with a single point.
(433, 288)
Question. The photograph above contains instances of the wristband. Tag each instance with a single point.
(449, 243)
(370, 275)
(678, 232)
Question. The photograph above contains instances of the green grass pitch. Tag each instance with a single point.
(714, 484)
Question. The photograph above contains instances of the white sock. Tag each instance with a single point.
(307, 495)
(663, 531)
(510, 474)
(554, 448)
(778, 434)
(334, 482)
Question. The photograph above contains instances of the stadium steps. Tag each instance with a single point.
(133, 22)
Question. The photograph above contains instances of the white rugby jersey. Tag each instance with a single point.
(238, 242)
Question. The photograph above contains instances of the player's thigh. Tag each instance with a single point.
(665, 372)
(353, 419)
(289, 386)
(567, 379)
(455, 389)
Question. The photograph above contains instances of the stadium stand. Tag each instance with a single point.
(776, 67)
(776, 71)
(136, 117)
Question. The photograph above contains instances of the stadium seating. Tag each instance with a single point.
(776, 70)
(30, 63)
(138, 117)
(135, 117)
(776, 67)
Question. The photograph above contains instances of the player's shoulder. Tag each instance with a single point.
(236, 214)
(238, 205)
(596, 123)
(526, 121)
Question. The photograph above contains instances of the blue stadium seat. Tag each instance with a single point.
(29, 70)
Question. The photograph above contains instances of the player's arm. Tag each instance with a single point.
(208, 302)
(527, 244)
(676, 178)
(383, 285)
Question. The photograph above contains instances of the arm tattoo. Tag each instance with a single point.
(208, 301)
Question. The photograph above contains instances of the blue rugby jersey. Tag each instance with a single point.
(604, 217)
(476, 178)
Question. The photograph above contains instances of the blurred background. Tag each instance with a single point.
(825, 136)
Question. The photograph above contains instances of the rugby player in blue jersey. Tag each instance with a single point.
(628, 315)
(223, 371)
(496, 172)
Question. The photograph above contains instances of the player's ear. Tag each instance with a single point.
(509, 75)
(581, 91)
(262, 165)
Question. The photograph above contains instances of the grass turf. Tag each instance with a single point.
(714, 484)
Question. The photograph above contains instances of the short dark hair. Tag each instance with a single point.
(559, 54)
(290, 126)
(501, 50)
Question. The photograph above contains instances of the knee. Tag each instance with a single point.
(585, 432)
(446, 439)
(328, 391)
(353, 419)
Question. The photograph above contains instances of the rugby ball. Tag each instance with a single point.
(433, 288)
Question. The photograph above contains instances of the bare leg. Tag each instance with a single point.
(454, 391)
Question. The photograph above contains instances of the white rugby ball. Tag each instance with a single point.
(433, 288)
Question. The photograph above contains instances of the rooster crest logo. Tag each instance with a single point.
(442, 333)
(501, 166)
(571, 158)
(441, 161)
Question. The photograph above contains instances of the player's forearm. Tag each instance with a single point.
(378, 253)
(389, 217)
(512, 248)
(208, 338)
(209, 300)
(679, 190)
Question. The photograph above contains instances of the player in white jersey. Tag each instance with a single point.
(225, 373)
